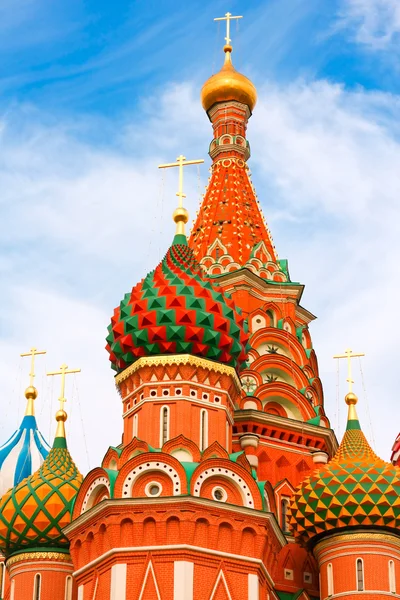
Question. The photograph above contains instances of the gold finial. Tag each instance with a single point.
(31, 392)
(349, 354)
(61, 415)
(181, 215)
(228, 18)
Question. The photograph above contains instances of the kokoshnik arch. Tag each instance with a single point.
(228, 483)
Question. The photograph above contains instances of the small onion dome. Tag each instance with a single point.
(175, 310)
(355, 489)
(228, 84)
(33, 514)
(25, 451)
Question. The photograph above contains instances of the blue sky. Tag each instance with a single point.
(94, 95)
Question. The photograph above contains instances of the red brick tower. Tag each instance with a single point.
(280, 421)
(348, 513)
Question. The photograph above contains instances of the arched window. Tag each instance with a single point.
(360, 575)
(12, 593)
(135, 425)
(285, 515)
(36, 586)
(203, 429)
(228, 436)
(68, 588)
(392, 577)
(164, 425)
(329, 576)
(2, 567)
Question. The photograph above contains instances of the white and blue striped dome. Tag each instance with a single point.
(25, 451)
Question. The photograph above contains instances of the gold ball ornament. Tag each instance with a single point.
(351, 399)
(180, 215)
(61, 415)
(31, 393)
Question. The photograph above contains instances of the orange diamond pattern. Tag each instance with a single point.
(33, 513)
(356, 488)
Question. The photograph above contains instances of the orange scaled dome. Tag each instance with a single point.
(228, 84)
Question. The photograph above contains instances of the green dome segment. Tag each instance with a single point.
(33, 514)
(355, 489)
(175, 310)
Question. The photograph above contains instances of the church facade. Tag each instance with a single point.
(229, 483)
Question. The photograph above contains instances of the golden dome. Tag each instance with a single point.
(228, 84)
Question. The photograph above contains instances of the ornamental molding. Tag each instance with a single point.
(44, 555)
(177, 359)
(371, 536)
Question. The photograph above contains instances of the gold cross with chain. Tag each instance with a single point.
(181, 162)
(228, 18)
(349, 354)
(63, 372)
(32, 353)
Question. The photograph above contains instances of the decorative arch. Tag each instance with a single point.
(280, 338)
(250, 402)
(182, 442)
(280, 362)
(232, 473)
(95, 488)
(111, 458)
(215, 450)
(151, 462)
(281, 392)
(132, 449)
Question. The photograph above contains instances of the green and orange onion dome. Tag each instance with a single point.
(33, 513)
(228, 84)
(356, 489)
(176, 310)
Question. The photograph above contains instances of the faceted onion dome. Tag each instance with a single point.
(33, 514)
(228, 84)
(25, 451)
(175, 310)
(355, 489)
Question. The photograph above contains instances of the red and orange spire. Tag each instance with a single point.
(230, 221)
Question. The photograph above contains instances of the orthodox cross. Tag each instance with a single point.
(32, 353)
(63, 372)
(228, 17)
(181, 162)
(349, 354)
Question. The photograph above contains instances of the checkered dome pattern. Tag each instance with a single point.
(33, 513)
(175, 310)
(356, 488)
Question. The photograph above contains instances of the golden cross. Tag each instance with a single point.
(63, 372)
(32, 353)
(228, 17)
(349, 354)
(181, 162)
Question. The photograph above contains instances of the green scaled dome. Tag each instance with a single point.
(175, 310)
(33, 514)
(355, 489)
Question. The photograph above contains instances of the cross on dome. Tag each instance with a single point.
(181, 215)
(228, 18)
(63, 372)
(31, 391)
(349, 354)
(32, 353)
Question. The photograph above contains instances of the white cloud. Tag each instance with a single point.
(375, 23)
(84, 221)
